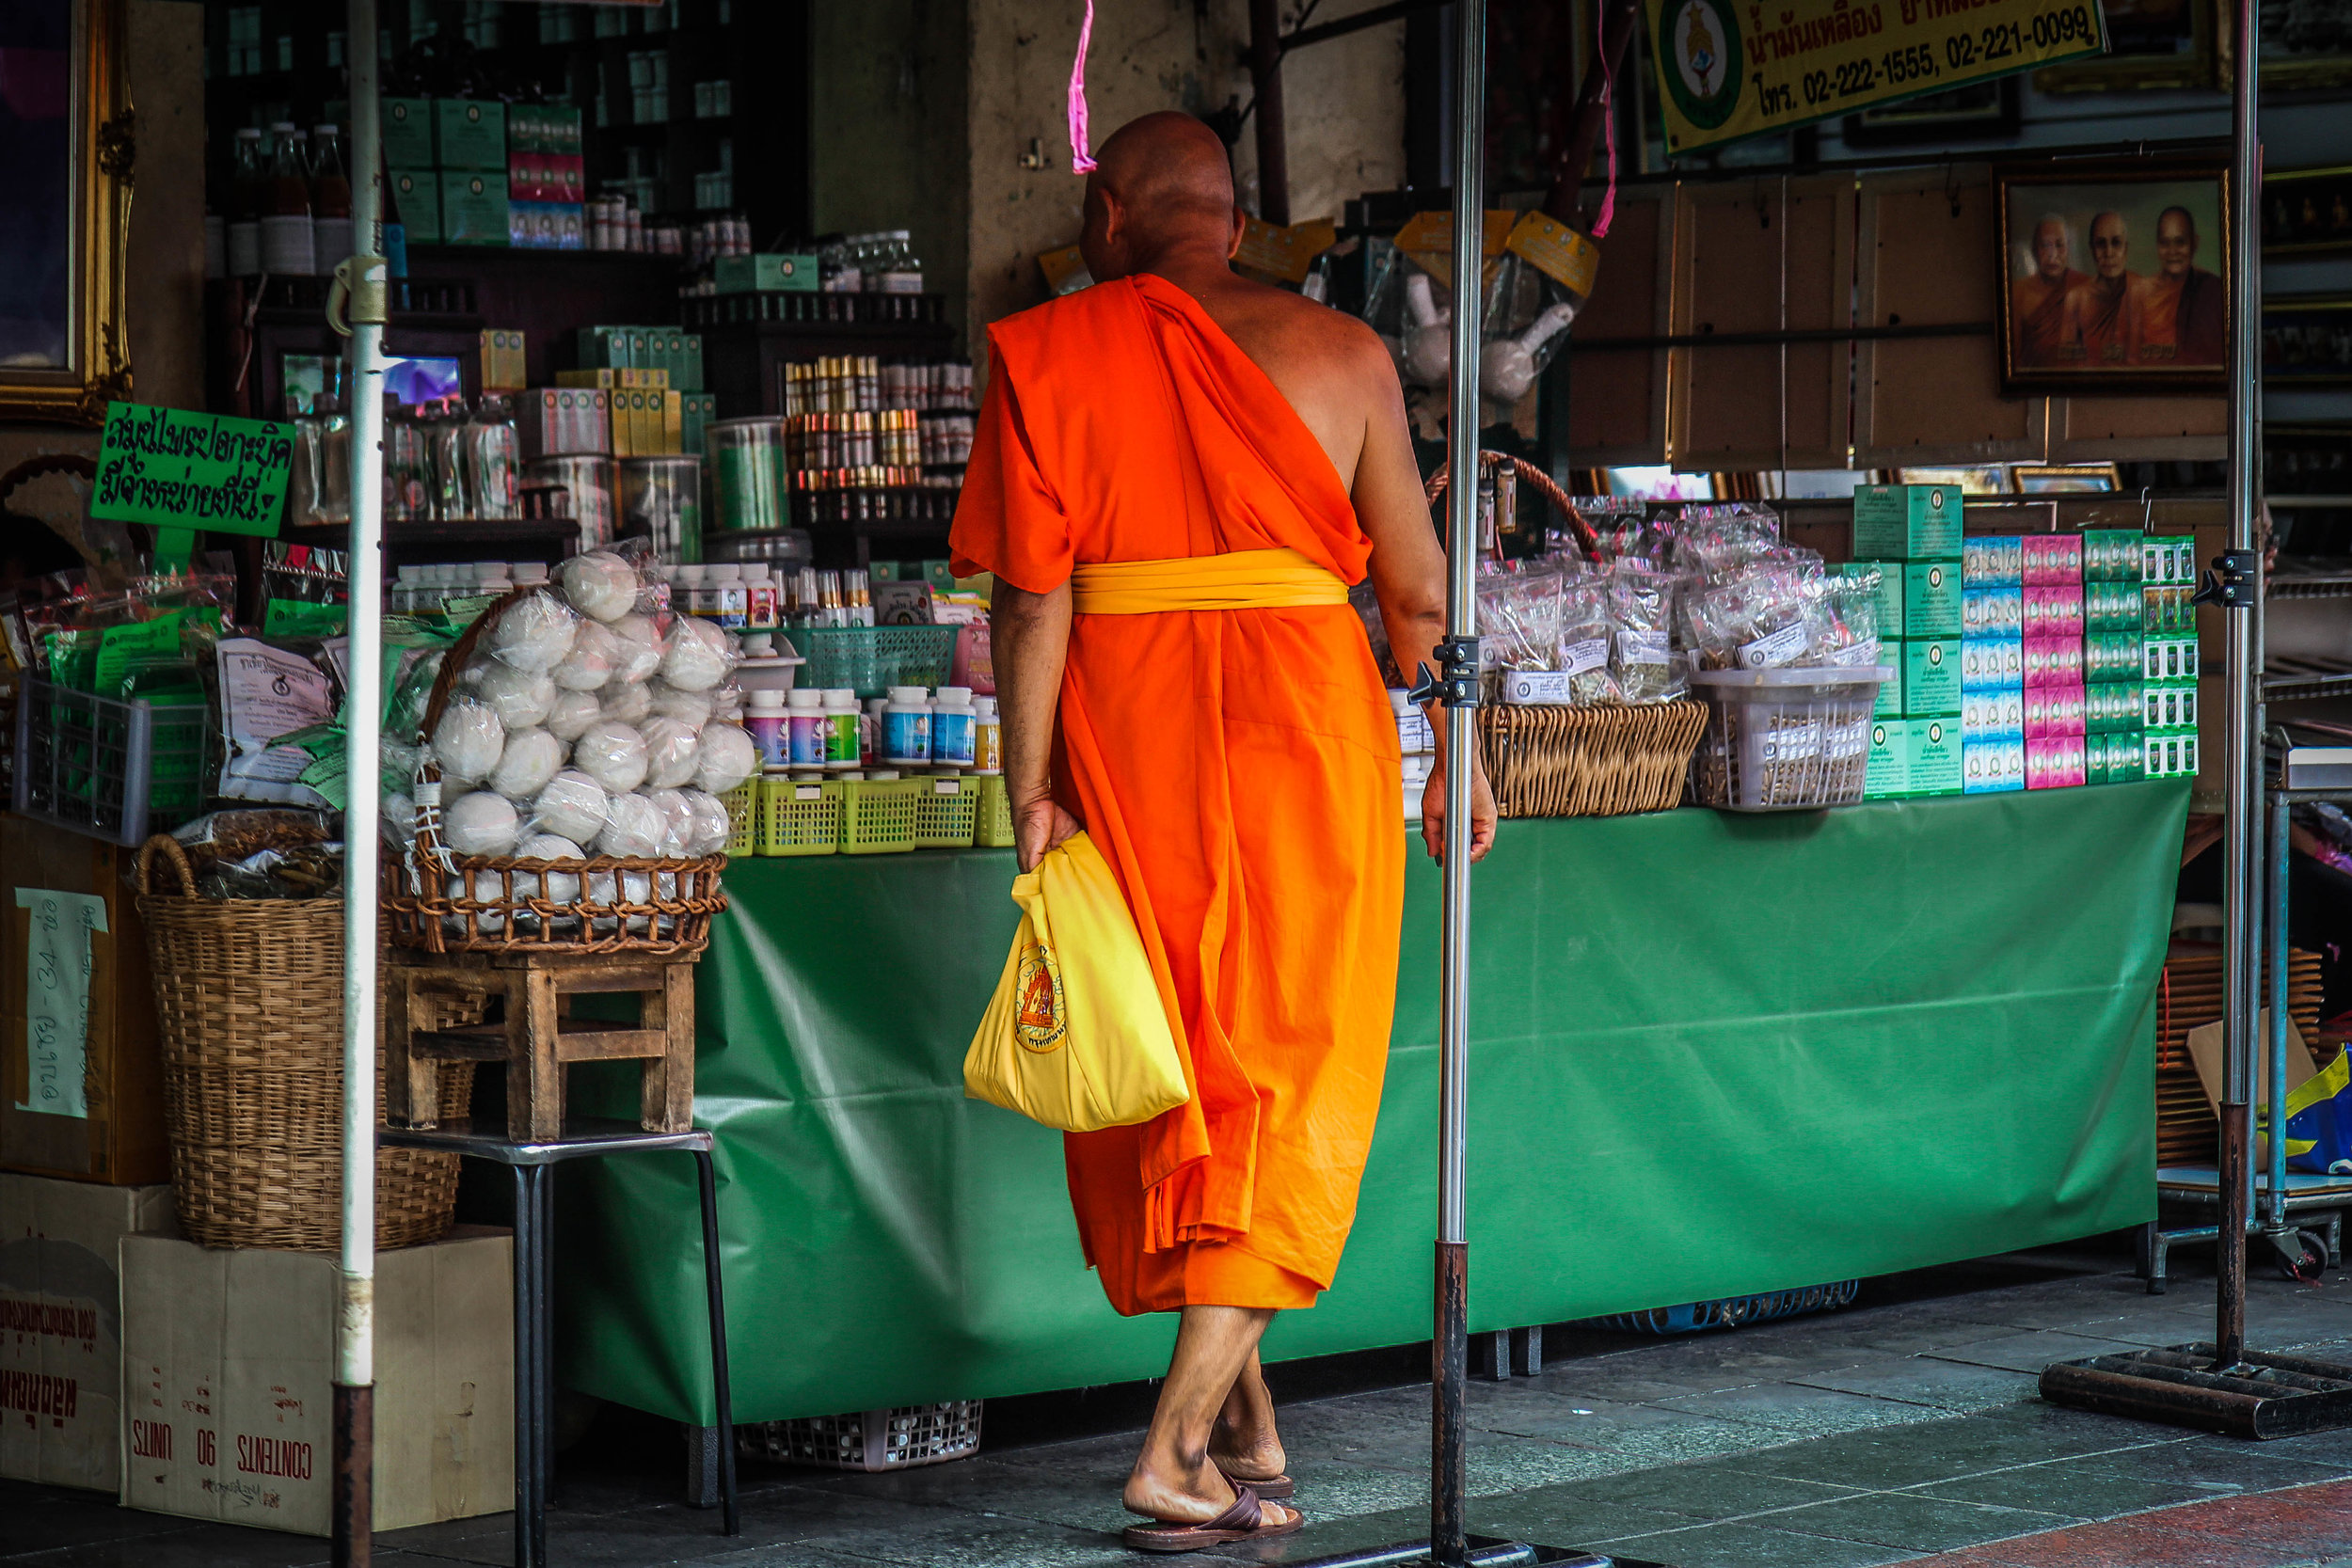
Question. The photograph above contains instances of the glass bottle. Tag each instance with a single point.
(330, 199)
(288, 246)
(249, 190)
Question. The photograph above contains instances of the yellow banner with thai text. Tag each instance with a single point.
(1728, 69)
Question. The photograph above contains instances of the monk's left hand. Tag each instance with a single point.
(1433, 815)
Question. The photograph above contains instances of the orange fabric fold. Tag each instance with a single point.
(1237, 767)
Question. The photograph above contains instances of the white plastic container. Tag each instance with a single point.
(1784, 740)
(841, 742)
(907, 727)
(764, 719)
(810, 728)
(953, 722)
(727, 596)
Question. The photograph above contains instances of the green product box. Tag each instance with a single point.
(407, 134)
(2169, 754)
(2168, 704)
(770, 273)
(1907, 522)
(2112, 555)
(470, 132)
(1889, 774)
(1933, 750)
(1890, 698)
(2169, 658)
(2167, 557)
(2109, 706)
(674, 356)
(473, 207)
(1932, 598)
(2117, 758)
(697, 410)
(2111, 655)
(1890, 591)
(690, 376)
(417, 202)
(1930, 671)
(2112, 606)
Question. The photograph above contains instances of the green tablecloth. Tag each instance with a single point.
(1712, 1055)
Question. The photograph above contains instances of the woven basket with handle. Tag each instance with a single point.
(1602, 760)
(249, 1005)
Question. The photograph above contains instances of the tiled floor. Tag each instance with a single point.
(1903, 1428)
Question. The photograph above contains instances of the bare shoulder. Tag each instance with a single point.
(1299, 341)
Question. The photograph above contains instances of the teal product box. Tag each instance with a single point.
(415, 195)
(2169, 705)
(1993, 560)
(1931, 599)
(1907, 522)
(1988, 714)
(1928, 671)
(696, 412)
(2112, 555)
(2112, 606)
(1992, 611)
(2172, 657)
(2168, 754)
(690, 377)
(1889, 774)
(1890, 591)
(768, 273)
(1991, 765)
(1986, 662)
(2111, 707)
(2111, 655)
(473, 207)
(1890, 698)
(470, 132)
(2117, 758)
(1935, 747)
(407, 124)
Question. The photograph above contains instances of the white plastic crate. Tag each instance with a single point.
(1784, 740)
(899, 1438)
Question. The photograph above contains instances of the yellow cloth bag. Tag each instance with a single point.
(1075, 1036)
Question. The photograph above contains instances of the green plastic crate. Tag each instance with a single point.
(870, 660)
(798, 818)
(947, 814)
(878, 815)
(992, 826)
(742, 804)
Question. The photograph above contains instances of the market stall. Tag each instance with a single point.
(1714, 1054)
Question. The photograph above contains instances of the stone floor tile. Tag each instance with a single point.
(1751, 1547)
(2315, 1521)
(1924, 1380)
(2030, 1353)
(2075, 1489)
(36, 1519)
(1708, 1492)
(2127, 1546)
(1910, 1520)
(2212, 1468)
(1801, 1410)
(197, 1545)
(1553, 1518)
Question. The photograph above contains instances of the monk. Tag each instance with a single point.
(2106, 320)
(1236, 766)
(2038, 301)
(2182, 319)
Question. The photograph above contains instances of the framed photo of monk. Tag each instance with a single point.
(2115, 277)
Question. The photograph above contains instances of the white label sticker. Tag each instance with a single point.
(946, 786)
(1857, 655)
(1536, 687)
(1770, 653)
(1591, 654)
(1793, 741)
(58, 966)
(1644, 647)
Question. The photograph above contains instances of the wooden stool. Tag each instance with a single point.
(538, 1039)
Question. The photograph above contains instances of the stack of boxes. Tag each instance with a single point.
(1992, 664)
(475, 171)
(2111, 658)
(2051, 650)
(1909, 535)
(2169, 655)
(638, 394)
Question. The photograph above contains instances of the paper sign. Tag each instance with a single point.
(1556, 250)
(1728, 69)
(1286, 253)
(57, 963)
(1428, 239)
(182, 470)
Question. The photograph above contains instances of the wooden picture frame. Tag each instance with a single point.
(2307, 340)
(2303, 49)
(2306, 210)
(2067, 479)
(1977, 111)
(2114, 277)
(65, 215)
(2151, 44)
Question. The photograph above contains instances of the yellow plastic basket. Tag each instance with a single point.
(742, 804)
(797, 817)
(946, 814)
(992, 820)
(878, 815)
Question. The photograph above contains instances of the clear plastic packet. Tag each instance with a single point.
(677, 822)
(601, 584)
(533, 632)
(633, 828)
(1623, 526)
(1642, 657)
(613, 755)
(468, 740)
(712, 826)
(555, 887)
(268, 692)
(726, 756)
(240, 832)
(1718, 541)
(596, 653)
(629, 703)
(700, 655)
(671, 748)
(1845, 626)
(574, 712)
(690, 708)
(1367, 607)
(726, 702)
(480, 822)
(304, 871)
(529, 761)
(638, 646)
(520, 698)
(572, 805)
(1759, 618)
(1518, 617)
(1587, 634)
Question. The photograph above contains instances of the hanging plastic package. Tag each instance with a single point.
(2319, 1120)
(1076, 1036)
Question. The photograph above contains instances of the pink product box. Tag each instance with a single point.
(2052, 561)
(2055, 762)
(2053, 660)
(2054, 710)
(2053, 612)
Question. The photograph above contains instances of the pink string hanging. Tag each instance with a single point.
(1608, 124)
(1081, 159)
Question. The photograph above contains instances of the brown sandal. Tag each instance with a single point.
(1280, 1489)
(1243, 1521)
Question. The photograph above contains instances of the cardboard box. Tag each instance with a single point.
(2168, 558)
(502, 361)
(1935, 756)
(2166, 610)
(698, 411)
(2053, 711)
(90, 1110)
(61, 1324)
(786, 272)
(470, 133)
(2054, 762)
(1931, 599)
(1890, 591)
(2053, 660)
(2204, 1054)
(1929, 675)
(2169, 754)
(1993, 560)
(416, 203)
(1907, 522)
(229, 1365)
(611, 380)
(2112, 706)
(1988, 662)
(2169, 658)
(1991, 765)
(1992, 611)
(2052, 612)
(2112, 555)
(2169, 705)
(407, 125)
(554, 420)
(2112, 606)
(2050, 559)
(1888, 777)
(473, 207)
(2111, 655)
(2113, 758)
(1996, 714)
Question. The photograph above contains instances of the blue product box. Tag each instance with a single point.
(1993, 611)
(1986, 662)
(1993, 560)
(1992, 765)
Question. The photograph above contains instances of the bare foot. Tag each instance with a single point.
(1244, 1443)
(1177, 1496)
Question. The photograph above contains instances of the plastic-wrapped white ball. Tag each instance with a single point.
(700, 656)
(612, 753)
(640, 646)
(633, 828)
(481, 823)
(562, 886)
(468, 740)
(530, 760)
(634, 887)
(725, 758)
(520, 698)
(726, 702)
(712, 826)
(599, 584)
(690, 708)
(399, 815)
(671, 751)
(571, 806)
(627, 705)
(534, 633)
(678, 819)
(589, 665)
(574, 712)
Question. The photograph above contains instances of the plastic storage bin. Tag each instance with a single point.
(870, 660)
(115, 771)
(1784, 740)
(947, 814)
(799, 817)
(899, 1438)
(878, 815)
(742, 804)
(992, 827)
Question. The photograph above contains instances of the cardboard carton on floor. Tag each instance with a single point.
(2204, 1055)
(61, 1325)
(229, 1364)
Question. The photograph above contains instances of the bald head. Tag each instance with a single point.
(1161, 186)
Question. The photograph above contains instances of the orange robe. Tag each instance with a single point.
(1239, 768)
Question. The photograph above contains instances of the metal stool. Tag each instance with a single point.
(535, 1387)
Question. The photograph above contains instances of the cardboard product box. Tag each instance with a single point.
(673, 421)
(1890, 591)
(1991, 561)
(1992, 715)
(693, 380)
(2111, 655)
(1986, 662)
(613, 380)
(2054, 762)
(502, 361)
(2168, 558)
(2052, 612)
(1927, 676)
(2168, 659)
(554, 420)
(1888, 777)
(1992, 611)
(1907, 522)
(2112, 606)
(1935, 756)
(782, 272)
(2169, 754)
(2055, 710)
(2053, 660)
(2166, 610)
(2112, 555)
(2111, 707)
(1931, 599)
(473, 207)
(2169, 705)
(1889, 704)
(86, 1106)
(2050, 559)
(698, 411)
(417, 202)
(1991, 765)
(229, 1364)
(469, 133)
(2114, 758)
(407, 125)
(61, 1325)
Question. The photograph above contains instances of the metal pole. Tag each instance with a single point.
(355, 1363)
(2242, 809)
(2275, 1031)
(1448, 1543)
(1266, 73)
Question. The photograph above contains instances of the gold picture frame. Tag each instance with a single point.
(2067, 479)
(2307, 211)
(2193, 28)
(2318, 72)
(70, 359)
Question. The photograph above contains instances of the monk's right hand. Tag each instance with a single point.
(1038, 826)
(1482, 814)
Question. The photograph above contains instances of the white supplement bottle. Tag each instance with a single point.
(952, 725)
(988, 739)
(907, 728)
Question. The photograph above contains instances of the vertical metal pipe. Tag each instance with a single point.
(1265, 74)
(2242, 806)
(2275, 1026)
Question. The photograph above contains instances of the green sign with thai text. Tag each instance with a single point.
(177, 469)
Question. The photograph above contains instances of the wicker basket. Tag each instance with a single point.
(1602, 761)
(249, 1002)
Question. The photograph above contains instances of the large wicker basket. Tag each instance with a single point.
(249, 1003)
(1602, 761)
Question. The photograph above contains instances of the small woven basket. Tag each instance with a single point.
(1609, 760)
(440, 901)
(249, 1005)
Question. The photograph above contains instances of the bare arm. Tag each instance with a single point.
(1409, 570)
(1029, 643)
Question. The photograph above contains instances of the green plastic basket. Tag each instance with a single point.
(878, 815)
(870, 660)
(742, 804)
(946, 814)
(993, 821)
(799, 817)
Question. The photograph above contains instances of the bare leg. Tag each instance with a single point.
(1174, 1478)
(1245, 1443)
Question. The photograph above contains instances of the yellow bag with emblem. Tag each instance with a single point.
(1076, 1036)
